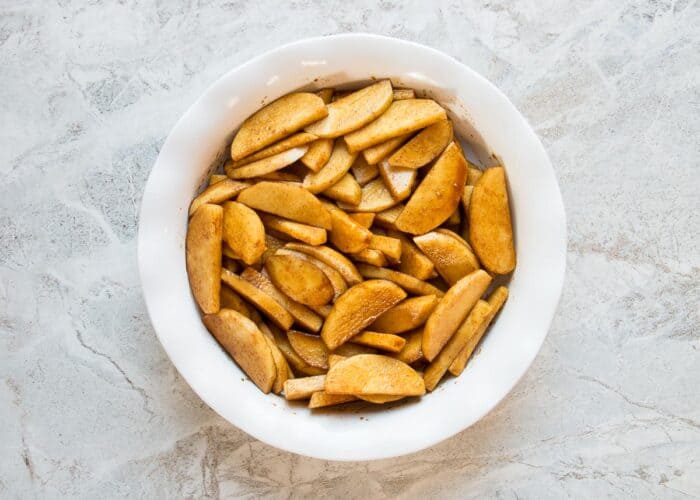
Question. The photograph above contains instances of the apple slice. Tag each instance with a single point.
(370, 374)
(203, 256)
(335, 168)
(243, 231)
(399, 181)
(452, 257)
(405, 281)
(318, 154)
(218, 193)
(303, 388)
(346, 190)
(302, 232)
(363, 172)
(331, 257)
(300, 280)
(375, 198)
(378, 152)
(424, 147)
(413, 349)
(266, 165)
(293, 141)
(407, 315)
(286, 200)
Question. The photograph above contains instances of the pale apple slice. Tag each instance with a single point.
(346, 190)
(424, 147)
(452, 310)
(272, 243)
(473, 176)
(214, 178)
(400, 94)
(370, 256)
(334, 277)
(291, 142)
(218, 193)
(399, 181)
(243, 232)
(246, 344)
(279, 177)
(390, 247)
(413, 261)
(264, 302)
(496, 301)
(266, 165)
(354, 111)
(203, 256)
(363, 172)
(468, 329)
(295, 362)
(405, 316)
(437, 196)
(405, 281)
(310, 348)
(231, 300)
(452, 258)
(490, 228)
(375, 198)
(387, 218)
(275, 121)
(413, 349)
(370, 374)
(281, 365)
(466, 199)
(302, 388)
(318, 154)
(322, 311)
(357, 308)
(364, 219)
(335, 168)
(299, 279)
(331, 257)
(301, 314)
(380, 151)
(286, 200)
(322, 399)
(302, 232)
(346, 234)
(378, 340)
(402, 117)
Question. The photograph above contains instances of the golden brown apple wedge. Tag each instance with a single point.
(293, 141)
(399, 181)
(451, 311)
(243, 232)
(321, 399)
(378, 340)
(357, 308)
(346, 190)
(452, 257)
(218, 193)
(438, 194)
(302, 232)
(370, 256)
(299, 279)
(242, 339)
(231, 300)
(310, 348)
(413, 349)
(364, 219)
(405, 281)
(473, 176)
(363, 172)
(318, 154)
(406, 316)
(387, 218)
(402, 117)
(354, 110)
(490, 228)
(214, 178)
(331, 257)
(303, 388)
(203, 256)
(380, 151)
(346, 234)
(390, 247)
(369, 374)
(298, 364)
(400, 94)
(375, 198)
(437, 369)
(334, 277)
(424, 147)
(266, 165)
(335, 168)
(466, 199)
(413, 261)
(286, 200)
(275, 121)
(496, 301)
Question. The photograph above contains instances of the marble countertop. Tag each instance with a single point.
(90, 405)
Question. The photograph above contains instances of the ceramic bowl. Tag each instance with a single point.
(198, 143)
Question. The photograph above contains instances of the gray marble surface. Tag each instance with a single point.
(89, 403)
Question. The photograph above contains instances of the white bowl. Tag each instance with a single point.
(198, 142)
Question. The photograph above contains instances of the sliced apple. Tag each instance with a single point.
(375, 198)
(378, 340)
(402, 117)
(363, 172)
(380, 151)
(357, 308)
(354, 111)
(364, 219)
(214, 178)
(437, 196)
(413, 261)
(405, 281)
(437, 369)
(242, 339)
(231, 300)
(335, 168)
(370, 256)
(279, 176)
(291, 142)
(272, 243)
(346, 190)
(310, 348)
(298, 364)
(243, 232)
(413, 349)
(399, 181)
(218, 193)
(496, 301)
(286, 200)
(473, 176)
(490, 228)
(318, 154)
(407, 315)
(281, 366)
(452, 258)
(303, 388)
(400, 94)
(369, 374)
(275, 121)
(331, 257)
(265, 303)
(452, 310)
(424, 147)
(387, 218)
(466, 199)
(299, 279)
(203, 256)
(346, 234)
(390, 247)
(334, 277)
(321, 399)
(266, 165)
(302, 232)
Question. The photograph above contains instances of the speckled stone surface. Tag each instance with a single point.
(90, 405)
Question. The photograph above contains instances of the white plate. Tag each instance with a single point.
(201, 138)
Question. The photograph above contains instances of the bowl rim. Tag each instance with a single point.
(556, 280)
